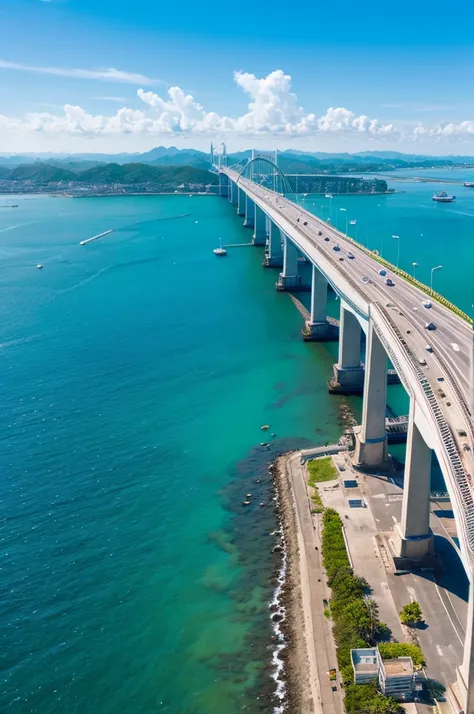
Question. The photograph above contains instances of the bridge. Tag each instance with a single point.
(394, 319)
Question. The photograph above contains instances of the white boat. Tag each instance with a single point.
(443, 197)
(220, 250)
(39, 266)
(469, 184)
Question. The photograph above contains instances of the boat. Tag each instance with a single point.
(39, 266)
(220, 250)
(443, 197)
(469, 184)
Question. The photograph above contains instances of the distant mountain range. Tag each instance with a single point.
(162, 177)
(290, 161)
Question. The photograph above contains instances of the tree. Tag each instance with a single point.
(411, 614)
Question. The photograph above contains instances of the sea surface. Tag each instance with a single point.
(136, 373)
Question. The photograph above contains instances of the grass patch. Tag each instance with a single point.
(318, 506)
(320, 470)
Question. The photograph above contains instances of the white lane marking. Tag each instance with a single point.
(394, 519)
(439, 650)
(461, 640)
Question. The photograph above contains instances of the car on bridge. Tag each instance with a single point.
(389, 282)
(427, 304)
(327, 239)
(336, 247)
(430, 326)
(350, 256)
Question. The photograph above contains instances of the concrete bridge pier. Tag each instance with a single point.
(413, 536)
(260, 233)
(233, 193)
(289, 278)
(223, 185)
(317, 327)
(371, 437)
(274, 251)
(249, 219)
(348, 372)
(240, 201)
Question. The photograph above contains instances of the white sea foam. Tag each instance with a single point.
(278, 665)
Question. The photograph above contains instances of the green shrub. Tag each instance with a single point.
(411, 614)
(365, 699)
(391, 650)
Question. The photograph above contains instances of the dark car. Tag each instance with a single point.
(430, 326)
(341, 258)
(326, 239)
(305, 223)
(320, 233)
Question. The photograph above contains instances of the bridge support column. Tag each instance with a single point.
(234, 193)
(348, 372)
(249, 212)
(317, 327)
(223, 185)
(413, 536)
(274, 252)
(371, 438)
(260, 233)
(240, 202)
(289, 278)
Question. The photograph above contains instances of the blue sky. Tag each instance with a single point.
(320, 76)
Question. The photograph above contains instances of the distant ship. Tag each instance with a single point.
(443, 197)
(469, 184)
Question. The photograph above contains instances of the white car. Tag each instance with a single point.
(428, 348)
(427, 304)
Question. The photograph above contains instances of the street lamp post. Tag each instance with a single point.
(345, 211)
(329, 195)
(437, 267)
(415, 265)
(398, 249)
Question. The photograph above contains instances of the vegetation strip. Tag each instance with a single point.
(356, 622)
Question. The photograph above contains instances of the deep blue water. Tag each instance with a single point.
(136, 373)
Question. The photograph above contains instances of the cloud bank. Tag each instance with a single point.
(273, 111)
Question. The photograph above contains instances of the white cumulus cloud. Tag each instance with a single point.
(273, 110)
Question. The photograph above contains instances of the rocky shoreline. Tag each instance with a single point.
(293, 684)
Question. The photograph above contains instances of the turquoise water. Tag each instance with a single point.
(136, 373)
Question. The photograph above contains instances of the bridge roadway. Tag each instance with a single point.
(399, 301)
(439, 390)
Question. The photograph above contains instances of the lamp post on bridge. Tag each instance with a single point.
(415, 265)
(398, 249)
(354, 223)
(437, 267)
(345, 211)
(329, 195)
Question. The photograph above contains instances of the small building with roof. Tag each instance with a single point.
(395, 677)
(365, 665)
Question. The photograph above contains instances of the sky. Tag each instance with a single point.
(120, 76)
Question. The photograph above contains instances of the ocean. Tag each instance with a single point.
(137, 371)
